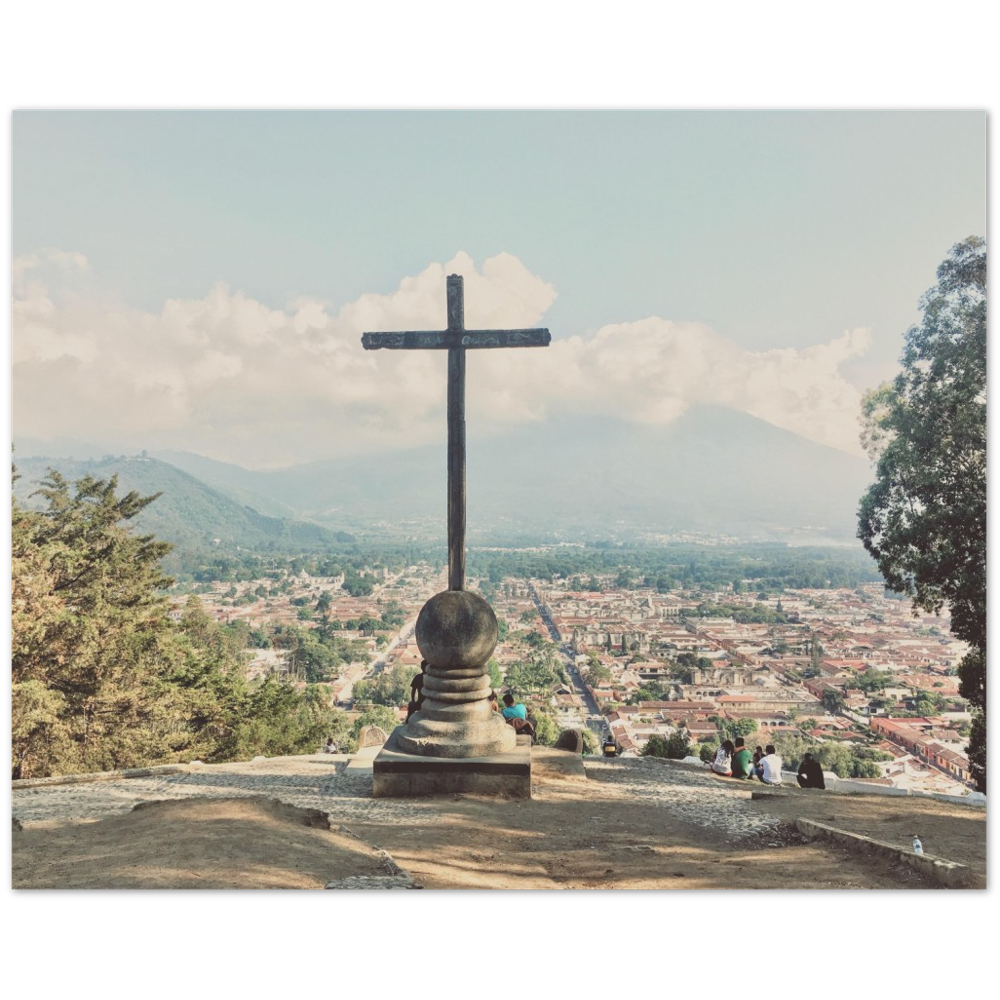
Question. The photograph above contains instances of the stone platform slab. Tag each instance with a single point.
(363, 760)
(399, 775)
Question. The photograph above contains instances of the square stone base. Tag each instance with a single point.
(399, 775)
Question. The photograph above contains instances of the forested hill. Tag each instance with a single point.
(189, 514)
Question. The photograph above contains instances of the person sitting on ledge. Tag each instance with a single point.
(416, 691)
(769, 770)
(723, 763)
(741, 762)
(516, 715)
(810, 773)
(512, 711)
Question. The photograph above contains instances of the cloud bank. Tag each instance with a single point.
(234, 379)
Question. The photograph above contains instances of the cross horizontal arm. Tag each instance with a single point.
(444, 339)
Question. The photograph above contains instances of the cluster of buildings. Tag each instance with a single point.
(803, 669)
(264, 604)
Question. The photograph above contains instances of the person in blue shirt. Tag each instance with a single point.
(512, 711)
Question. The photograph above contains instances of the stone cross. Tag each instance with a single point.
(456, 339)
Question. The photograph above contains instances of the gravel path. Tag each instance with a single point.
(326, 783)
(690, 794)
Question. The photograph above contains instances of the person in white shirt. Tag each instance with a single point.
(769, 769)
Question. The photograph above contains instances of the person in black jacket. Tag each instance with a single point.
(810, 773)
(416, 691)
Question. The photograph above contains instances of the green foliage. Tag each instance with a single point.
(392, 615)
(729, 729)
(924, 518)
(536, 640)
(815, 656)
(673, 747)
(597, 673)
(977, 749)
(836, 757)
(650, 691)
(535, 675)
(874, 680)
(833, 700)
(972, 685)
(928, 703)
(706, 752)
(866, 769)
(547, 729)
(496, 674)
(845, 759)
(391, 687)
(101, 676)
(755, 614)
(271, 719)
(357, 585)
(375, 715)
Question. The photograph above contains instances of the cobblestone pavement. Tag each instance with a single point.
(690, 794)
(310, 782)
(325, 783)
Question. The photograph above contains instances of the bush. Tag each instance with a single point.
(673, 747)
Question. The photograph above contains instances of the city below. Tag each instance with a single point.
(850, 667)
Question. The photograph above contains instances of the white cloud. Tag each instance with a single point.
(230, 377)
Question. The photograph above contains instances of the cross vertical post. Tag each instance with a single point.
(456, 340)
(456, 436)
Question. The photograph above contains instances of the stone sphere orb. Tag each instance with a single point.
(456, 629)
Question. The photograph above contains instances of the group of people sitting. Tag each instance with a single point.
(734, 760)
(515, 713)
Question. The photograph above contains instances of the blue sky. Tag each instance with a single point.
(758, 232)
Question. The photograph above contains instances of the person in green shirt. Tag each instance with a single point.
(742, 759)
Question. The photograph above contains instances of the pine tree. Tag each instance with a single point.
(102, 677)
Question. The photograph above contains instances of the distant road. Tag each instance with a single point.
(404, 633)
(569, 660)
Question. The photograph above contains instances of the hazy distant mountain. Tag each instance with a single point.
(233, 480)
(190, 513)
(713, 470)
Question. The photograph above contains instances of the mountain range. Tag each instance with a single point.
(713, 471)
(190, 513)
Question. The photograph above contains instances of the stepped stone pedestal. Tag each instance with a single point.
(455, 742)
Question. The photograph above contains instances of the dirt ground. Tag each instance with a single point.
(578, 834)
(244, 843)
(574, 833)
(954, 832)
